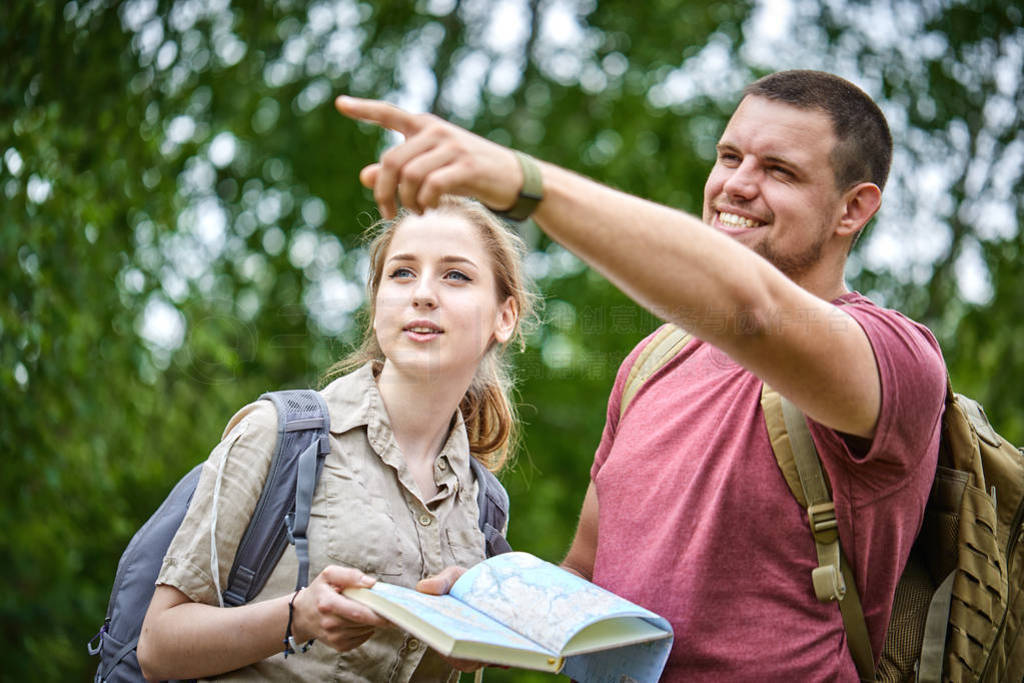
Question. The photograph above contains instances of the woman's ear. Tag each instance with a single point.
(505, 320)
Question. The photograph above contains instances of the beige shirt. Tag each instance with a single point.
(367, 513)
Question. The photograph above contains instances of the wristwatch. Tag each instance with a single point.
(530, 193)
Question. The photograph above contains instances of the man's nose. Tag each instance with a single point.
(743, 181)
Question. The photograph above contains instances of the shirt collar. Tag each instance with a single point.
(349, 399)
(353, 400)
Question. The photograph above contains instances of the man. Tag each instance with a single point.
(686, 512)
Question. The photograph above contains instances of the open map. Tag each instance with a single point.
(517, 603)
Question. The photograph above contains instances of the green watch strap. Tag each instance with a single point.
(530, 193)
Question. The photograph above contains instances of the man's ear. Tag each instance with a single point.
(860, 203)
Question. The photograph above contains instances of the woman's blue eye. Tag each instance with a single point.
(457, 275)
(400, 273)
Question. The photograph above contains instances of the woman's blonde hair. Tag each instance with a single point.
(487, 407)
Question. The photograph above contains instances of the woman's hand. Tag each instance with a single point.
(440, 584)
(322, 612)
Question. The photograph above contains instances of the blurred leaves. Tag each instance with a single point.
(180, 220)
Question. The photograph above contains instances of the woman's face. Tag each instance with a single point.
(437, 307)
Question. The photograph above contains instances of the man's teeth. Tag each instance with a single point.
(737, 221)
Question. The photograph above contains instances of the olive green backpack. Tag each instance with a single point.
(959, 605)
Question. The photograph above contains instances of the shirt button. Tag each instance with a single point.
(413, 644)
(442, 464)
(425, 519)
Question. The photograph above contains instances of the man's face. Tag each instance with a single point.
(772, 187)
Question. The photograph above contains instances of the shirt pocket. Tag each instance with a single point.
(465, 546)
(361, 529)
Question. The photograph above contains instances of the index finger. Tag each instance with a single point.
(343, 577)
(379, 112)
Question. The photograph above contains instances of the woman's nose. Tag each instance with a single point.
(424, 296)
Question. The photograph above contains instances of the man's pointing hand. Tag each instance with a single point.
(436, 158)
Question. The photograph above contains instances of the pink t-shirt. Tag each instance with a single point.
(696, 521)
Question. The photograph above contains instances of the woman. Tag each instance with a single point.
(426, 391)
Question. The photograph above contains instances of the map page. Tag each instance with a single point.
(518, 610)
(550, 605)
(457, 621)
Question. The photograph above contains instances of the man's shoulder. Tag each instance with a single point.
(908, 356)
(871, 315)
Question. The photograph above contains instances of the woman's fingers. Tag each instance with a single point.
(344, 577)
(322, 612)
(440, 583)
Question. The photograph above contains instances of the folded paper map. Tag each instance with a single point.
(518, 610)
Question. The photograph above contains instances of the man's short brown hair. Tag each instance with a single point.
(863, 149)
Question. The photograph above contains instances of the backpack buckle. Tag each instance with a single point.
(822, 518)
(828, 580)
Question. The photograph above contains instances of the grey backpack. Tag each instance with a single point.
(280, 518)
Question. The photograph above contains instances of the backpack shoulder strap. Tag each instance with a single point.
(282, 511)
(492, 501)
(833, 579)
(798, 459)
(667, 342)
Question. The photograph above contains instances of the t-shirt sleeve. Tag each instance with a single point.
(222, 510)
(913, 383)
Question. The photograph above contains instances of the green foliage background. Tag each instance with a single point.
(181, 161)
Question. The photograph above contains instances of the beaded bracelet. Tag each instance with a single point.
(291, 647)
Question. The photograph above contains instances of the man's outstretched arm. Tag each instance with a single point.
(669, 261)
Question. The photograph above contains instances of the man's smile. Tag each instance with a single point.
(733, 220)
